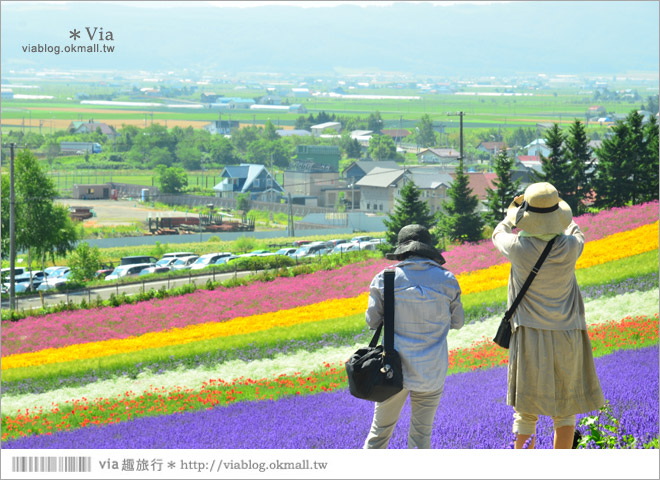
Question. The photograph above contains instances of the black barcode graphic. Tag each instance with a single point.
(51, 464)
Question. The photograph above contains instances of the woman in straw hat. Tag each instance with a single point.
(551, 368)
(427, 304)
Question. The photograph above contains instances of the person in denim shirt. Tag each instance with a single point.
(427, 304)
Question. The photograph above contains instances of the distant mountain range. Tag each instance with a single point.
(418, 38)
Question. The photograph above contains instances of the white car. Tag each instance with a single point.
(183, 263)
(60, 277)
(124, 271)
(208, 259)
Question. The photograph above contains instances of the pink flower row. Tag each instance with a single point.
(470, 257)
(69, 328)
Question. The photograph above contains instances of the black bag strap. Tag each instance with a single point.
(528, 282)
(388, 305)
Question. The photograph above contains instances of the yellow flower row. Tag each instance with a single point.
(636, 241)
(613, 247)
(192, 333)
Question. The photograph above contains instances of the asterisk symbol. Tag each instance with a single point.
(171, 464)
(75, 34)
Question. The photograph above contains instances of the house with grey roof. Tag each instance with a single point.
(441, 156)
(379, 189)
(358, 169)
(254, 180)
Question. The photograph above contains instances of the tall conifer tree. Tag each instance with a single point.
(578, 156)
(409, 209)
(555, 167)
(505, 188)
(462, 222)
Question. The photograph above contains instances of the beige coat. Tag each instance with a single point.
(553, 301)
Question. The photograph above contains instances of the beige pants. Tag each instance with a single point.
(423, 406)
(525, 423)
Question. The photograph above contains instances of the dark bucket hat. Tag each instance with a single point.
(415, 240)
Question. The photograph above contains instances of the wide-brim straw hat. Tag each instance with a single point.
(416, 240)
(540, 211)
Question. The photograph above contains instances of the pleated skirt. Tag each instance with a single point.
(552, 372)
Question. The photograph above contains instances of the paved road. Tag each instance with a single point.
(49, 298)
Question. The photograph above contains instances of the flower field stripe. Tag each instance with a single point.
(218, 305)
(639, 240)
(472, 414)
(93, 408)
(86, 326)
(241, 325)
(302, 361)
(596, 311)
(483, 254)
(287, 364)
(188, 335)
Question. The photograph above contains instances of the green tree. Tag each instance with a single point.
(578, 156)
(426, 136)
(222, 151)
(159, 156)
(409, 209)
(375, 123)
(505, 189)
(648, 189)
(35, 193)
(613, 180)
(84, 261)
(556, 169)
(189, 156)
(172, 179)
(62, 237)
(4, 215)
(461, 222)
(382, 147)
(269, 132)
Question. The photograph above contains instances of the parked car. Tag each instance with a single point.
(59, 278)
(345, 247)
(228, 259)
(22, 282)
(52, 271)
(124, 271)
(286, 251)
(333, 243)
(208, 259)
(106, 269)
(176, 255)
(184, 263)
(154, 269)
(311, 250)
(360, 239)
(167, 261)
(17, 271)
(300, 243)
(132, 260)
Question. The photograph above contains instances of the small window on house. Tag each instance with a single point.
(269, 182)
(256, 183)
(381, 207)
(368, 206)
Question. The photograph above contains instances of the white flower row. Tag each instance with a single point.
(597, 311)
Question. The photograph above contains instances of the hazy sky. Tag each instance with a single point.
(421, 38)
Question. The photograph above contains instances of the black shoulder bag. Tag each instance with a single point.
(374, 372)
(503, 335)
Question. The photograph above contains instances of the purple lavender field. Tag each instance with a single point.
(472, 414)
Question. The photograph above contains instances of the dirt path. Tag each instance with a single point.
(119, 212)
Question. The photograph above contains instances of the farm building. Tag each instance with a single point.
(91, 192)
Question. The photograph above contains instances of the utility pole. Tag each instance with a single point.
(460, 115)
(12, 230)
(292, 232)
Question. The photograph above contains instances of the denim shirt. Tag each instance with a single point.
(427, 303)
